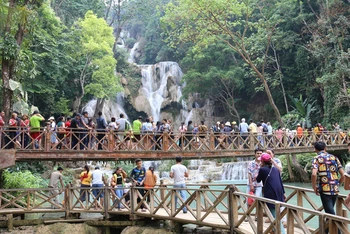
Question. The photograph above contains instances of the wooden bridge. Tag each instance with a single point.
(19, 145)
(220, 206)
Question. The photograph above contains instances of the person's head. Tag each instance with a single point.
(251, 121)
(24, 117)
(178, 159)
(147, 120)
(121, 115)
(87, 168)
(233, 123)
(14, 115)
(78, 116)
(189, 122)
(165, 121)
(151, 168)
(112, 119)
(99, 113)
(140, 118)
(265, 159)
(202, 122)
(258, 124)
(319, 146)
(85, 113)
(2, 113)
(243, 120)
(69, 118)
(151, 119)
(60, 119)
(138, 163)
(60, 169)
(118, 170)
(268, 123)
(97, 167)
(271, 152)
(182, 123)
(258, 153)
(51, 119)
(35, 112)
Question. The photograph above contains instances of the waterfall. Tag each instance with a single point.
(155, 79)
(131, 58)
(235, 171)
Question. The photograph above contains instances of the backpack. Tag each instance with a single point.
(265, 129)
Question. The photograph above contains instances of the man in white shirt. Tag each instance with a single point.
(98, 181)
(179, 173)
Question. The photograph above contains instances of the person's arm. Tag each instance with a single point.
(144, 176)
(277, 165)
(124, 174)
(313, 181)
(62, 185)
(155, 178)
(250, 182)
(186, 173)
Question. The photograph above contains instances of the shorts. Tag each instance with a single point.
(137, 137)
(35, 135)
(96, 192)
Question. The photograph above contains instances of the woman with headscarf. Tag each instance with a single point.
(272, 182)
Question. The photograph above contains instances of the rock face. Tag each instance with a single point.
(145, 230)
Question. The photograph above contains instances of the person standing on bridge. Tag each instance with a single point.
(138, 175)
(179, 173)
(325, 180)
(55, 178)
(272, 182)
(98, 181)
(253, 171)
(34, 123)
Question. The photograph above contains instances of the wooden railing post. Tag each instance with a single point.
(172, 204)
(278, 217)
(47, 142)
(111, 140)
(106, 202)
(251, 141)
(67, 201)
(212, 140)
(162, 191)
(165, 144)
(232, 209)
(198, 205)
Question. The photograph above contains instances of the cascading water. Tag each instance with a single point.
(235, 171)
(155, 82)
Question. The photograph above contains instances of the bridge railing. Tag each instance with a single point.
(78, 139)
(214, 205)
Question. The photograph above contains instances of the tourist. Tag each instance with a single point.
(189, 133)
(252, 127)
(138, 177)
(300, 133)
(84, 128)
(276, 162)
(136, 127)
(269, 135)
(147, 132)
(56, 177)
(98, 181)
(325, 177)
(53, 133)
(179, 173)
(150, 181)
(61, 131)
(123, 130)
(75, 128)
(158, 136)
(118, 179)
(68, 129)
(12, 141)
(243, 130)
(85, 182)
(34, 123)
(253, 170)
(182, 131)
(24, 131)
(272, 182)
(101, 130)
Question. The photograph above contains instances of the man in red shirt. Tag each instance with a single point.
(2, 123)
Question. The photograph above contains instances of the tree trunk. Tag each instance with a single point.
(99, 106)
(6, 91)
(290, 171)
(304, 177)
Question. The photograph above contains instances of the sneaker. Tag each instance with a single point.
(185, 211)
(143, 210)
(246, 220)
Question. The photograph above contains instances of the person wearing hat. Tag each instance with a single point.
(55, 178)
(34, 123)
(272, 182)
(179, 173)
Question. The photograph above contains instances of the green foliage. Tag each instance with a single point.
(130, 42)
(304, 160)
(22, 179)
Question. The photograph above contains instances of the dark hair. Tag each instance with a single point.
(113, 119)
(147, 120)
(121, 115)
(87, 168)
(257, 149)
(60, 119)
(319, 145)
(100, 113)
(271, 150)
(85, 112)
(151, 168)
(268, 163)
(138, 160)
(59, 169)
(189, 122)
(258, 124)
(202, 122)
(115, 172)
(178, 159)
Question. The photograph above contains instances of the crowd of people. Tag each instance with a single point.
(83, 132)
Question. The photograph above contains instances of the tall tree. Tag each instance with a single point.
(234, 22)
(16, 18)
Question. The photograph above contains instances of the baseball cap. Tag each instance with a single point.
(265, 157)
